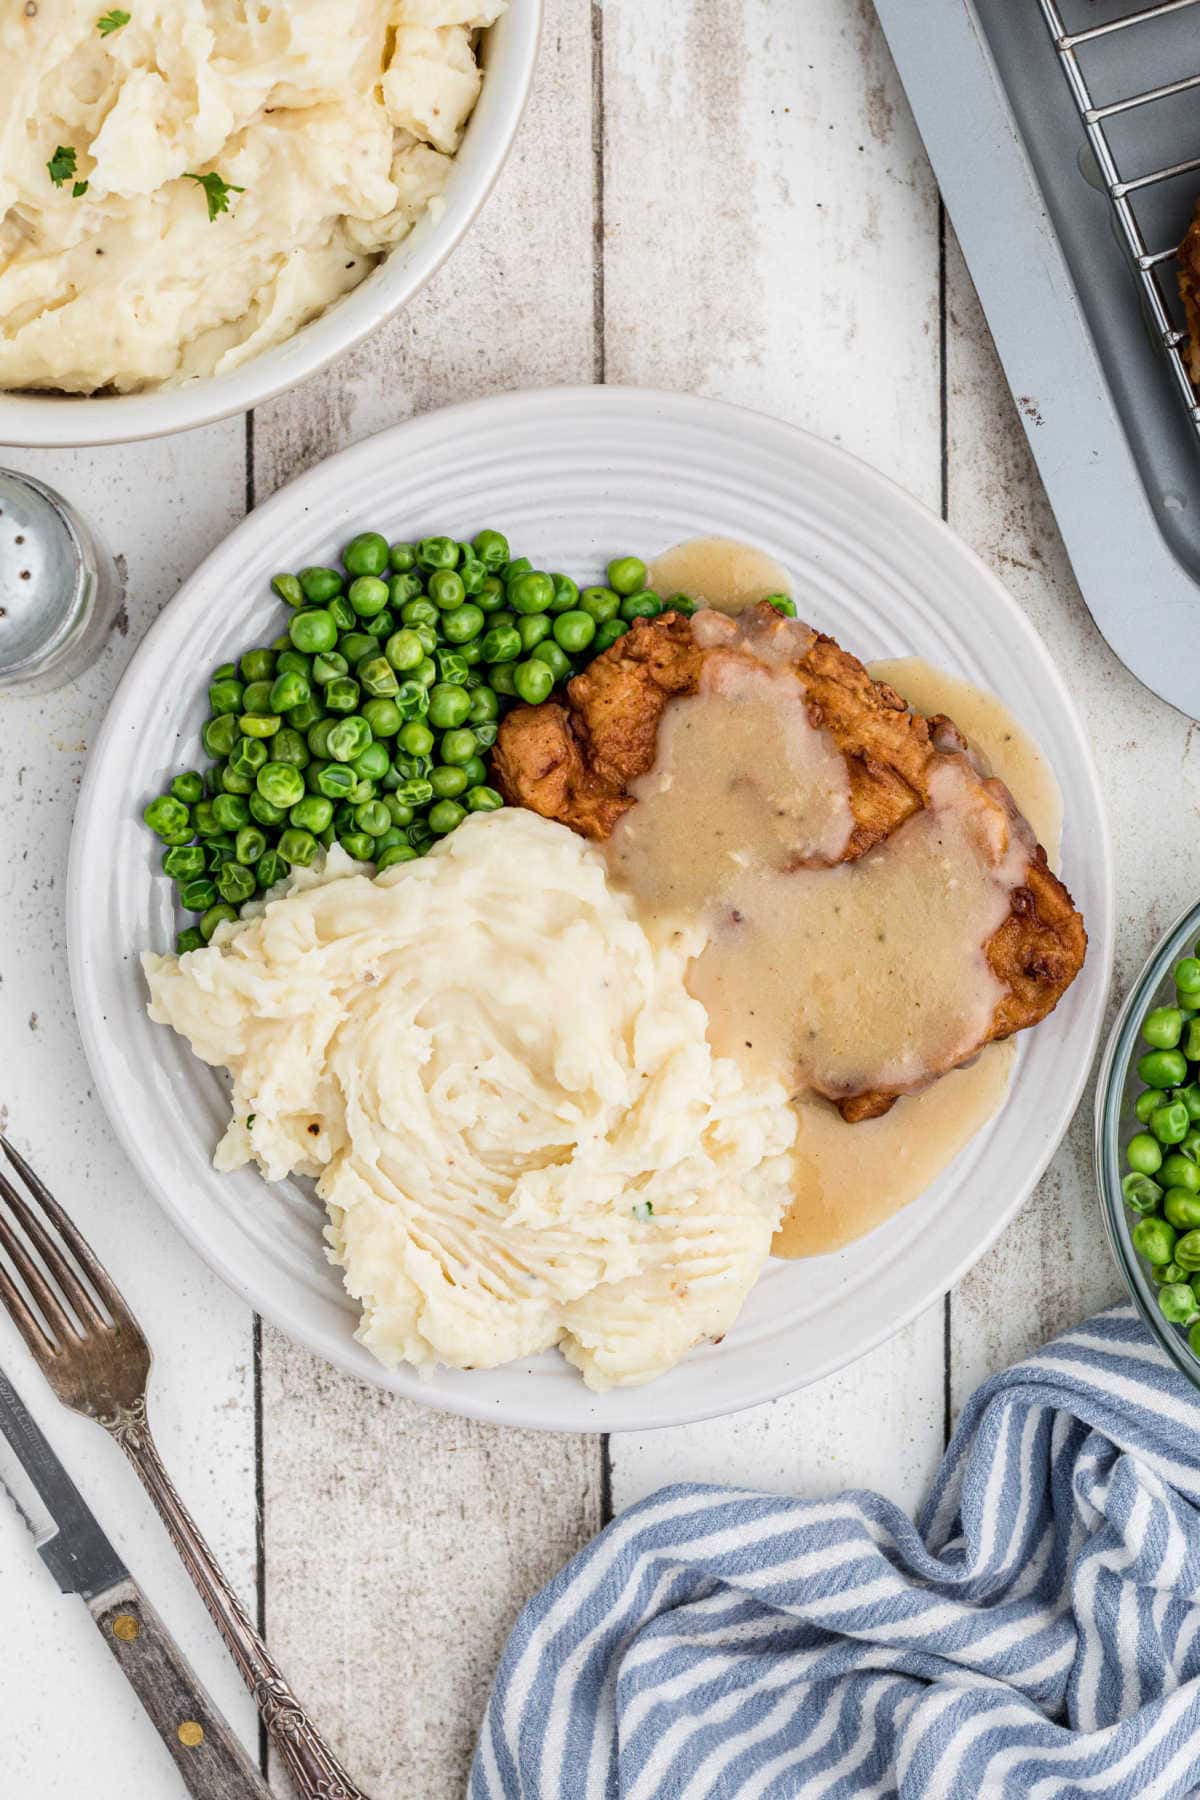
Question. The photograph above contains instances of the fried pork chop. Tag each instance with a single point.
(1189, 293)
(575, 763)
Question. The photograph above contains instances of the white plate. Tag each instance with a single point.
(574, 476)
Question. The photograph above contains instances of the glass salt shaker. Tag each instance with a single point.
(59, 590)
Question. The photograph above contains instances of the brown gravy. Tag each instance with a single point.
(718, 572)
(864, 973)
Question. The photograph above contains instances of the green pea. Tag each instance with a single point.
(483, 799)
(532, 628)
(608, 633)
(289, 589)
(197, 894)
(1162, 1027)
(343, 614)
(259, 725)
(235, 883)
(231, 811)
(383, 716)
(1187, 976)
(519, 565)
(269, 869)
(297, 848)
(378, 677)
(1190, 1097)
(293, 662)
(402, 559)
(218, 851)
(501, 677)
(1190, 1147)
(533, 681)
(447, 782)
(681, 604)
(553, 655)
(1143, 1154)
(313, 631)
(458, 746)
(288, 746)
(342, 694)
(1162, 1068)
(300, 718)
(491, 547)
(216, 915)
(464, 622)
(368, 596)
(191, 939)
(1147, 1102)
(170, 818)
(335, 780)
(354, 645)
(502, 644)
(419, 835)
(279, 644)
(202, 819)
(319, 584)
(446, 590)
(1177, 1303)
(183, 861)
(566, 594)
(1141, 1194)
(225, 696)
(1170, 1123)
(1181, 1209)
(448, 706)
(408, 766)
(372, 763)
(783, 603)
(366, 554)
(420, 612)
(415, 739)
(445, 817)
(627, 575)
(398, 812)
(437, 553)
(574, 631)
(280, 783)
(313, 813)
(1156, 1241)
(641, 606)
(264, 811)
(393, 854)
(600, 603)
(358, 844)
(404, 649)
(412, 699)
(490, 598)
(1191, 1043)
(475, 770)
(1162, 1273)
(484, 706)
(532, 592)
(372, 817)
(257, 665)
(349, 738)
(1180, 1171)
(249, 845)
(247, 757)
(234, 781)
(288, 690)
(472, 574)
(1186, 1250)
(416, 792)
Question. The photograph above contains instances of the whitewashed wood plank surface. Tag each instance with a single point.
(71, 1724)
(769, 233)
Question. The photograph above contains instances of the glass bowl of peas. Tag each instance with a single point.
(1148, 1142)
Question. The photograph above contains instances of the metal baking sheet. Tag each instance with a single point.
(1114, 441)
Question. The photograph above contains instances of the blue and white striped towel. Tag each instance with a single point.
(1037, 1633)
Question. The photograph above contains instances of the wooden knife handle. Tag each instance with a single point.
(205, 1751)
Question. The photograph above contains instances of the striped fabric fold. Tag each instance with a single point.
(1035, 1633)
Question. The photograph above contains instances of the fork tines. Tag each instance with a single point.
(60, 1273)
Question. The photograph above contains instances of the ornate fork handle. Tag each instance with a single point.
(314, 1770)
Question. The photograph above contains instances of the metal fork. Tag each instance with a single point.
(95, 1356)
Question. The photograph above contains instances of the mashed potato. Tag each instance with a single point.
(337, 117)
(507, 1095)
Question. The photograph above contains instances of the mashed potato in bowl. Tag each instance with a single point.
(338, 120)
(507, 1096)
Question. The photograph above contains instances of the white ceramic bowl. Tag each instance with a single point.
(573, 475)
(508, 54)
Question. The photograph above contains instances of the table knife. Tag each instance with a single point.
(82, 1560)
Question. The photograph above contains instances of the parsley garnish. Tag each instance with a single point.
(216, 191)
(80, 189)
(62, 165)
(250, 1118)
(644, 1209)
(112, 21)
